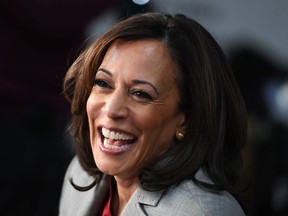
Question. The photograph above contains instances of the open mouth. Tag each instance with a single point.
(116, 141)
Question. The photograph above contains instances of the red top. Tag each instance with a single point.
(107, 207)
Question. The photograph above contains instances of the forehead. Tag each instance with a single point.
(148, 54)
(147, 48)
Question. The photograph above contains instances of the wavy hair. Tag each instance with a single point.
(210, 99)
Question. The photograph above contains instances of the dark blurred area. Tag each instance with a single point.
(264, 86)
(38, 42)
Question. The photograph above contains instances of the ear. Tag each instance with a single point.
(182, 122)
(180, 130)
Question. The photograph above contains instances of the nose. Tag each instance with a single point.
(115, 105)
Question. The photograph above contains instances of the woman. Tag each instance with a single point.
(158, 121)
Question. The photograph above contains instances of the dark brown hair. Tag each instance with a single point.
(213, 106)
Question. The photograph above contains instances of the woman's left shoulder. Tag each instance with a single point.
(206, 202)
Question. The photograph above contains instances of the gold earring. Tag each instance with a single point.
(179, 135)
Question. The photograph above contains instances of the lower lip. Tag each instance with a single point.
(110, 151)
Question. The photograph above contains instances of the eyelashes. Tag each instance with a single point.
(101, 83)
(139, 94)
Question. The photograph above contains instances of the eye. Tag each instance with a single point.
(141, 95)
(101, 83)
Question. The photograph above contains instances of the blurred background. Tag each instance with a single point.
(40, 39)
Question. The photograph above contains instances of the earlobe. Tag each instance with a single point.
(179, 135)
(180, 132)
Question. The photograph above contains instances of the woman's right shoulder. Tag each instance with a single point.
(76, 172)
(73, 201)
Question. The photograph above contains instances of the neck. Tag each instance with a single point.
(124, 190)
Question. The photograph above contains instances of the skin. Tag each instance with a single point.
(136, 94)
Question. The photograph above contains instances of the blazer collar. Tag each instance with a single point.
(147, 197)
(140, 199)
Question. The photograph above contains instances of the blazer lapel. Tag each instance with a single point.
(100, 193)
(139, 200)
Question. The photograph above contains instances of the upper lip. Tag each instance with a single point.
(117, 130)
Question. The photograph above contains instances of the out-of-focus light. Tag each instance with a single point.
(282, 97)
(276, 98)
(140, 2)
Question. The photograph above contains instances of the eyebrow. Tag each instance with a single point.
(142, 82)
(105, 71)
(145, 83)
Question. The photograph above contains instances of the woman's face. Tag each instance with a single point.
(132, 108)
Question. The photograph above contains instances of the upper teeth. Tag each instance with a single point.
(115, 135)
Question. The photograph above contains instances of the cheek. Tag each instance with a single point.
(158, 131)
(155, 120)
(89, 105)
(90, 115)
(89, 109)
(93, 111)
(93, 106)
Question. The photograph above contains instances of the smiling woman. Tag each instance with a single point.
(135, 95)
(158, 121)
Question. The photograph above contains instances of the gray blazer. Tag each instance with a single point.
(183, 200)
